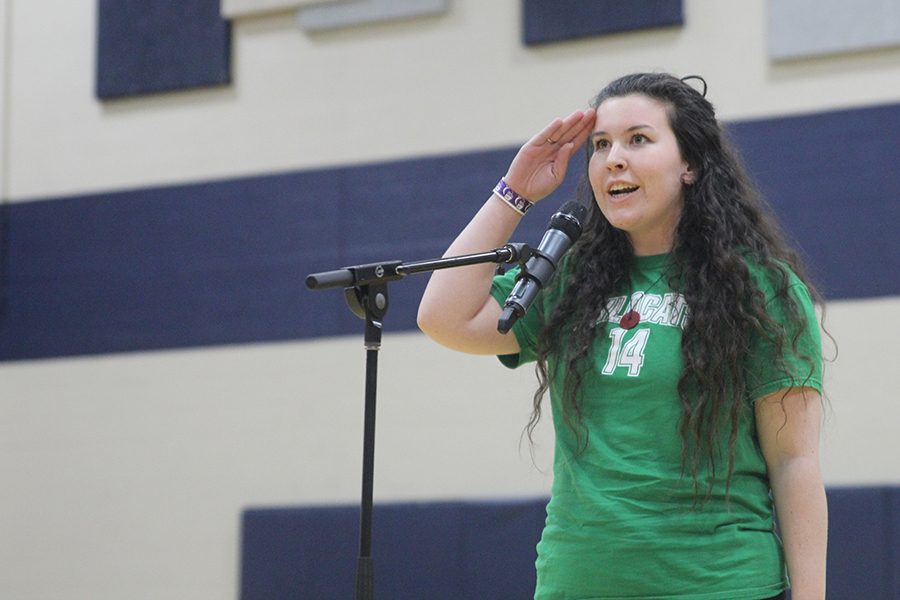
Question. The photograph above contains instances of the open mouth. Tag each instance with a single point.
(622, 190)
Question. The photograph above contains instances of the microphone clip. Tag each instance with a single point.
(528, 283)
(519, 253)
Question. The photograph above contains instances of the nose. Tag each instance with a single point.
(614, 159)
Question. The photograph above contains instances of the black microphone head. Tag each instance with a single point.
(569, 219)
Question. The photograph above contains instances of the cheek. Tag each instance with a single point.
(596, 174)
(666, 179)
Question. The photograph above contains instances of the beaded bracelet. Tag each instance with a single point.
(514, 200)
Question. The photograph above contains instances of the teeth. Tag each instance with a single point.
(622, 189)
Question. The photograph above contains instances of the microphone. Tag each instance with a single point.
(564, 229)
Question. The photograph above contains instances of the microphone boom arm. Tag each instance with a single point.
(380, 272)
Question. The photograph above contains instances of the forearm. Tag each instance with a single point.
(802, 512)
(466, 288)
(455, 297)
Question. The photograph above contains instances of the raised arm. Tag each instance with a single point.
(457, 309)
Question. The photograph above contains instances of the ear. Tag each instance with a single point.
(688, 177)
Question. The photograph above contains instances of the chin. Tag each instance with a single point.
(624, 222)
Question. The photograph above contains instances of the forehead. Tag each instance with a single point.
(622, 112)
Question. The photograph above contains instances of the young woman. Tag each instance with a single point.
(681, 351)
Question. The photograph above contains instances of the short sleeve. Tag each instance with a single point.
(801, 363)
(525, 329)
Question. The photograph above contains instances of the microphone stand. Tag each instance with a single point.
(366, 293)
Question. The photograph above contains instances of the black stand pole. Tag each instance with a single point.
(365, 289)
(374, 300)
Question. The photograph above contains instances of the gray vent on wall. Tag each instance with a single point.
(232, 9)
(362, 12)
(806, 28)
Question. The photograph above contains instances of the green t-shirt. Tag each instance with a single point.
(622, 521)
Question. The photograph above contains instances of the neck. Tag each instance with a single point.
(645, 247)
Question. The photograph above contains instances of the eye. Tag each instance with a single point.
(639, 138)
(600, 144)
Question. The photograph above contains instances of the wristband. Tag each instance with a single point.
(511, 198)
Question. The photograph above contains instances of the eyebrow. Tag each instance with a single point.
(632, 128)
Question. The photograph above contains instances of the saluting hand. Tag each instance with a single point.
(540, 165)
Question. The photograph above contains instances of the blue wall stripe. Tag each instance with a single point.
(862, 541)
(224, 262)
(434, 550)
(892, 528)
(147, 46)
(486, 549)
(833, 179)
(560, 20)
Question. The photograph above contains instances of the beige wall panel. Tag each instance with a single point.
(859, 443)
(458, 83)
(125, 476)
(4, 113)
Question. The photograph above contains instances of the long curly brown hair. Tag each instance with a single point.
(724, 224)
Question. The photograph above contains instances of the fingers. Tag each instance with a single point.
(584, 128)
(545, 135)
(575, 129)
(573, 132)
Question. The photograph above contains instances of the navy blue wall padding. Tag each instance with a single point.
(486, 549)
(833, 179)
(439, 551)
(224, 262)
(893, 526)
(148, 46)
(569, 19)
(863, 537)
